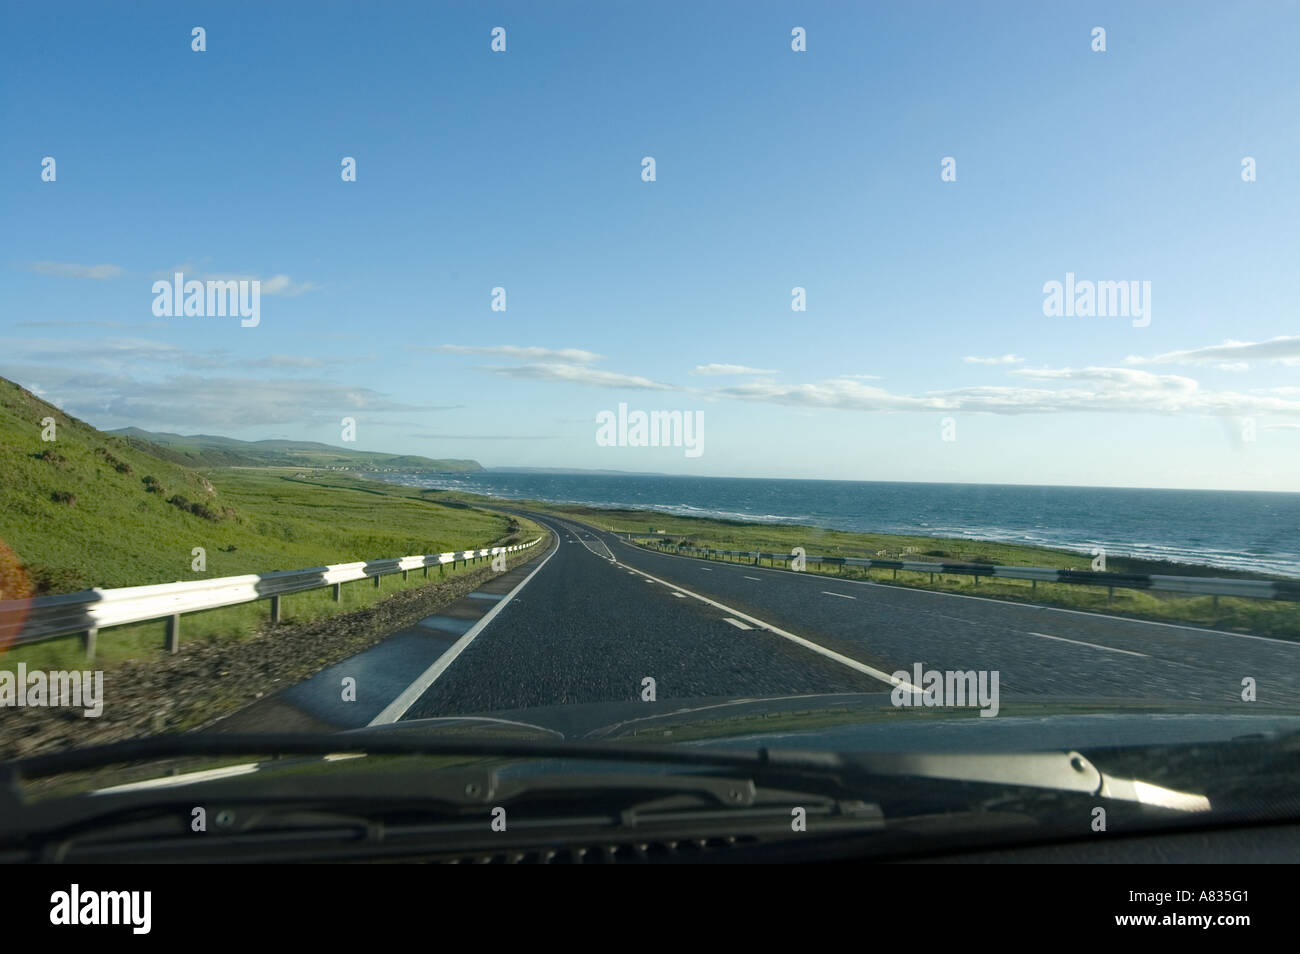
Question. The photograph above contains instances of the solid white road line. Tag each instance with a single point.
(1079, 642)
(736, 623)
(680, 596)
(757, 623)
(397, 708)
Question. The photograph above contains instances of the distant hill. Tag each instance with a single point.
(207, 450)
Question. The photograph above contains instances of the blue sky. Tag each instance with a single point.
(774, 169)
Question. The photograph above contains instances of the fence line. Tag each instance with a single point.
(1194, 585)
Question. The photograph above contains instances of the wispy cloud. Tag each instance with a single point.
(63, 270)
(523, 353)
(125, 354)
(188, 401)
(579, 374)
(1093, 390)
(285, 287)
(720, 369)
(277, 285)
(1231, 355)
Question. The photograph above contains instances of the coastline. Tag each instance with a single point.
(745, 532)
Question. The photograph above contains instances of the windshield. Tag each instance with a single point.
(594, 407)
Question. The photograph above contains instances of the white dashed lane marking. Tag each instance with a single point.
(1079, 642)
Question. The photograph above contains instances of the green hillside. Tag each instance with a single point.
(207, 450)
(95, 509)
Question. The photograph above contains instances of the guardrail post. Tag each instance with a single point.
(442, 568)
(88, 641)
(1033, 586)
(174, 633)
(405, 574)
(275, 610)
(377, 576)
(1110, 595)
(895, 572)
(426, 571)
(338, 592)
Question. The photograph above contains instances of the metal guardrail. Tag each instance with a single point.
(48, 617)
(1193, 585)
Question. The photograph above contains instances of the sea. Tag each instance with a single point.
(1241, 530)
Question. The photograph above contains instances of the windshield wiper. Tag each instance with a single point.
(419, 807)
(1057, 771)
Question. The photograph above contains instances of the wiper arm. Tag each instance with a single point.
(1057, 771)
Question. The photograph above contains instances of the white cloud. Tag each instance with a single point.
(1093, 389)
(1118, 377)
(578, 374)
(567, 355)
(1231, 355)
(125, 354)
(718, 369)
(98, 272)
(1004, 359)
(189, 402)
(277, 285)
(285, 287)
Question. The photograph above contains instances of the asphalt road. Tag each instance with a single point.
(598, 616)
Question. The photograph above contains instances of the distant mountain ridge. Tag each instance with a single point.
(209, 450)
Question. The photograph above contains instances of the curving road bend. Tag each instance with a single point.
(598, 616)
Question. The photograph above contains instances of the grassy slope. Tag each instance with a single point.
(117, 533)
